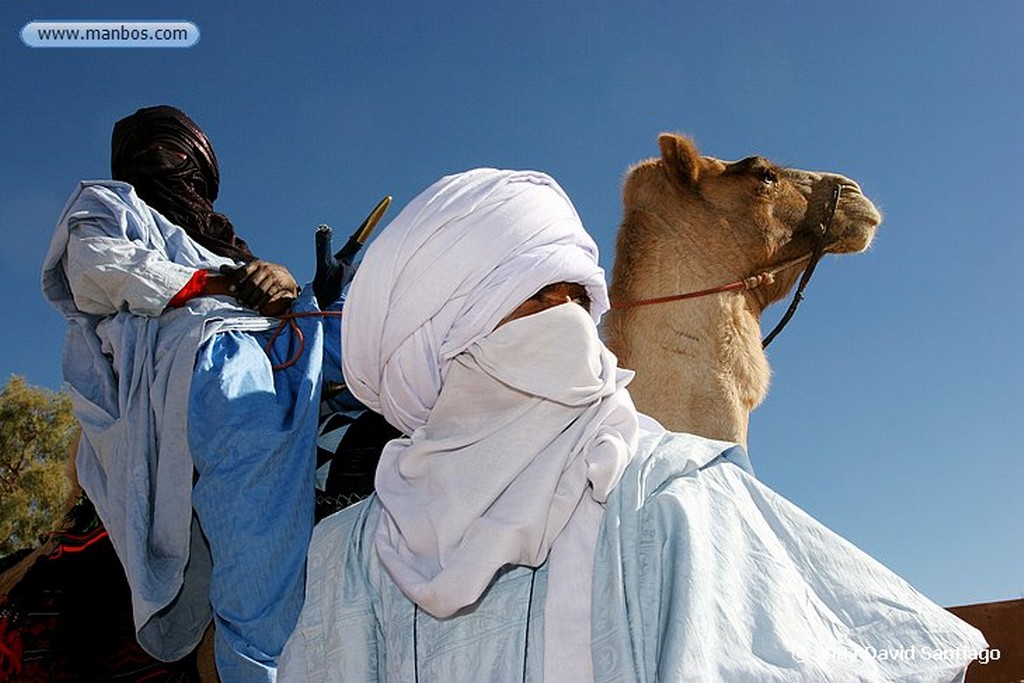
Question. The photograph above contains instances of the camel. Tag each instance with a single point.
(691, 223)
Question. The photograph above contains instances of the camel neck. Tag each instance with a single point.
(699, 363)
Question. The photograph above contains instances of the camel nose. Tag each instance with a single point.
(809, 182)
(854, 201)
(849, 186)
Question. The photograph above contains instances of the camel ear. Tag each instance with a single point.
(681, 159)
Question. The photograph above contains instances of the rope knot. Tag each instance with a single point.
(759, 280)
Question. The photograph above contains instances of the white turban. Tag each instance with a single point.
(458, 259)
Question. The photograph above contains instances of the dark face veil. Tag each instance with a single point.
(170, 162)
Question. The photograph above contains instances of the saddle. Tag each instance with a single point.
(69, 618)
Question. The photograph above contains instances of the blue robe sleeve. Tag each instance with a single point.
(116, 258)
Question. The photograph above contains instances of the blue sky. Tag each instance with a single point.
(895, 411)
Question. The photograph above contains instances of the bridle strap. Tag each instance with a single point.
(816, 254)
(762, 278)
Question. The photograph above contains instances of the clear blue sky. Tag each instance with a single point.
(896, 407)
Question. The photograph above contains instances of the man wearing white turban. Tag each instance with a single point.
(531, 525)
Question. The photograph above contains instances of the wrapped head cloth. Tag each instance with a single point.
(457, 260)
(170, 162)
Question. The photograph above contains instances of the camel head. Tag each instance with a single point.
(692, 223)
(727, 220)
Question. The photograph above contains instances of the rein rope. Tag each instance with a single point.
(765, 277)
(288, 320)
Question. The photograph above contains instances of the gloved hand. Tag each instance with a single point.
(267, 287)
(333, 271)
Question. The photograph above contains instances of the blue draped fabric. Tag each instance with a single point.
(252, 433)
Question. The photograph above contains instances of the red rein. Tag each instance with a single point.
(288, 320)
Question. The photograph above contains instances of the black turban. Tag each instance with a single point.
(170, 162)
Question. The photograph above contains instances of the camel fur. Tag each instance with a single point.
(694, 222)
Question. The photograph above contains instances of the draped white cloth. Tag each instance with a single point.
(516, 434)
(530, 418)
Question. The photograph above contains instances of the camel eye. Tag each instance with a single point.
(769, 176)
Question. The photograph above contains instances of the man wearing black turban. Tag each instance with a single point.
(194, 413)
(170, 162)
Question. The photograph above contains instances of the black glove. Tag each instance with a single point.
(333, 271)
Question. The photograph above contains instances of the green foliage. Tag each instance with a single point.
(36, 428)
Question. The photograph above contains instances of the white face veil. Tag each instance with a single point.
(459, 258)
(516, 434)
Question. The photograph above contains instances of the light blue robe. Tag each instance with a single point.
(130, 367)
(701, 574)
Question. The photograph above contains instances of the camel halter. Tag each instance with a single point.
(765, 277)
